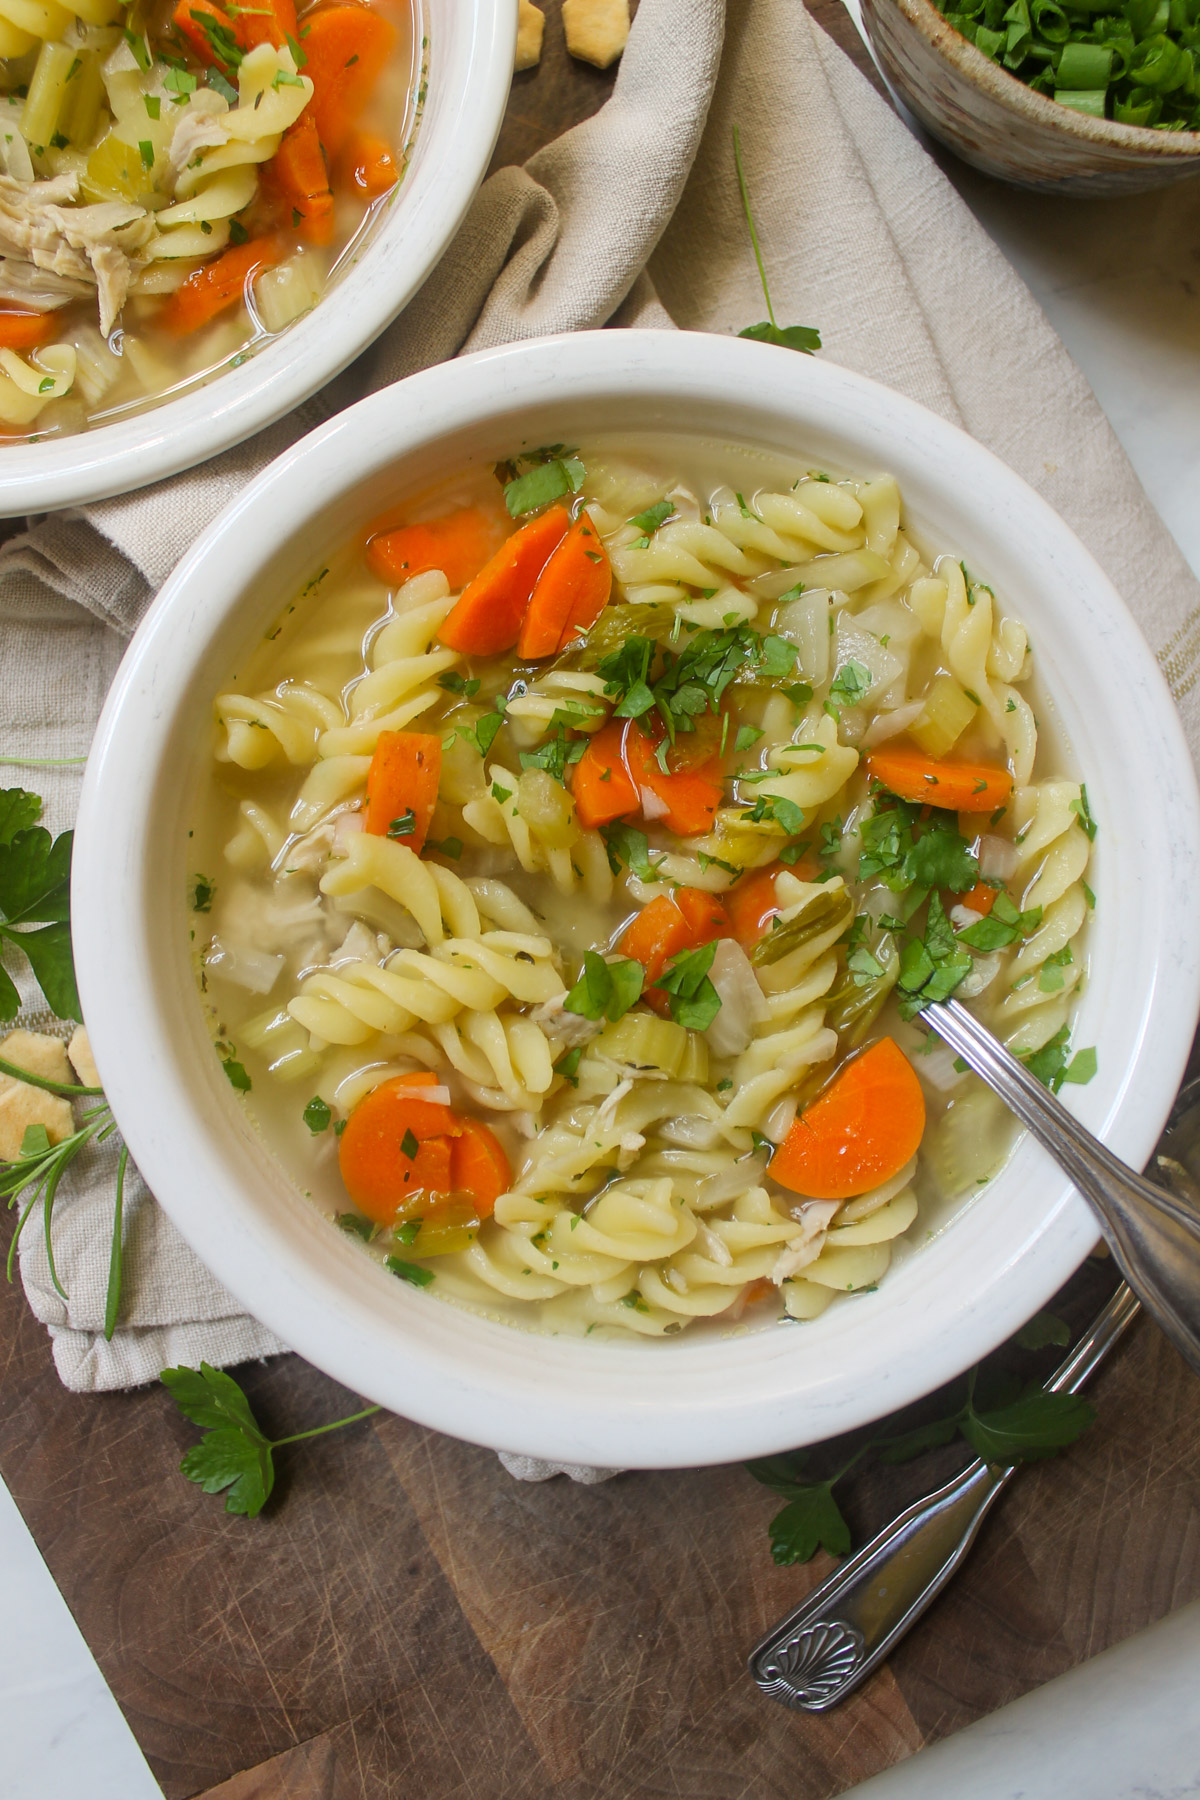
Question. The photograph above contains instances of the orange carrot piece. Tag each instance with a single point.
(368, 164)
(957, 787)
(217, 285)
(458, 543)
(600, 782)
(403, 778)
(691, 798)
(488, 615)
(26, 330)
(981, 898)
(187, 19)
(393, 1146)
(479, 1166)
(347, 48)
(860, 1132)
(705, 915)
(752, 903)
(266, 22)
(571, 592)
(665, 928)
(298, 175)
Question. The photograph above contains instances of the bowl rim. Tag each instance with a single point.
(1008, 90)
(693, 1400)
(470, 53)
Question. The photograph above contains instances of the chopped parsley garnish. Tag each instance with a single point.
(317, 1115)
(454, 683)
(556, 755)
(693, 1000)
(1002, 926)
(226, 89)
(404, 826)
(409, 1145)
(680, 687)
(1083, 812)
(1051, 1066)
(850, 685)
(140, 48)
(200, 898)
(568, 1065)
(555, 472)
(931, 967)
(905, 850)
(654, 516)
(408, 1271)
(626, 844)
(606, 990)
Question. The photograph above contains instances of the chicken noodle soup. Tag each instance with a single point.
(177, 186)
(579, 850)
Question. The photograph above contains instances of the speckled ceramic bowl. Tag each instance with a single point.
(1001, 126)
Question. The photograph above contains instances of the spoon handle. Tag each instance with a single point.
(1153, 1234)
(831, 1642)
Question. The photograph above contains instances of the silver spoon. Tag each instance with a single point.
(845, 1628)
(1153, 1234)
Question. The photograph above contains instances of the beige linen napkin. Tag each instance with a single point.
(631, 217)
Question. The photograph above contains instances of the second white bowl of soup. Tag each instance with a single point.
(206, 195)
(588, 770)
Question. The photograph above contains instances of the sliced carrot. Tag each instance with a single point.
(981, 898)
(487, 617)
(571, 592)
(188, 19)
(458, 543)
(752, 902)
(26, 330)
(706, 916)
(265, 22)
(691, 798)
(600, 782)
(665, 928)
(395, 1145)
(958, 787)
(860, 1132)
(479, 1166)
(347, 48)
(217, 285)
(368, 164)
(403, 780)
(297, 173)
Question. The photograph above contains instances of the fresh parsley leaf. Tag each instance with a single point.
(236, 1071)
(746, 738)
(451, 847)
(408, 1271)
(1050, 976)
(454, 683)
(219, 85)
(605, 989)
(653, 517)
(693, 1000)
(484, 734)
(1083, 812)
(1050, 1064)
(19, 810)
(1044, 1328)
(1029, 1430)
(805, 338)
(35, 876)
(547, 482)
(914, 1443)
(568, 1065)
(931, 968)
(1003, 925)
(850, 685)
(626, 844)
(234, 1457)
(811, 1521)
(778, 657)
(1081, 1067)
(317, 1115)
(555, 755)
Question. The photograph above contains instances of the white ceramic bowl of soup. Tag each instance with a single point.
(693, 1399)
(470, 52)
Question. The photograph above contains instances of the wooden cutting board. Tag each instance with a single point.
(405, 1620)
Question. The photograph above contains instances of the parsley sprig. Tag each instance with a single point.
(805, 338)
(35, 889)
(539, 477)
(605, 989)
(1018, 1424)
(680, 687)
(235, 1456)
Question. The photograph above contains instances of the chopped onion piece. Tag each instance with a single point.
(243, 965)
(742, 1002)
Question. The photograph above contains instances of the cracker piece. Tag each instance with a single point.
(82, 1061)
(22, 1105)
(597, 30)
(531, 26)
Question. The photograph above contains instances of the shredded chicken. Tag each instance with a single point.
(562, 1027)
(38, 289)
(197, 131)
(80, 243)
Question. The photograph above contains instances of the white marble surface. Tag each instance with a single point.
(62, 1732)
(1120, 280)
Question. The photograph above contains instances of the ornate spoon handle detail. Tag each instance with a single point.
(1154, 1234)
(831, 1642)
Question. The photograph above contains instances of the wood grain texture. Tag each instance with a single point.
(405, 1620)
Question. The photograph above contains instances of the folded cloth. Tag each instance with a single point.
(632, 217)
